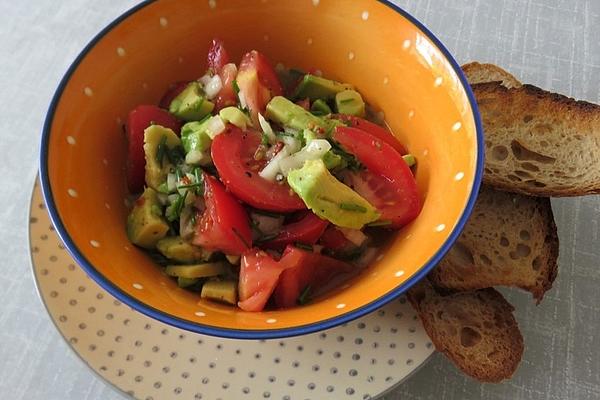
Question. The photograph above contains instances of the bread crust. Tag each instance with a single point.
(481, 72)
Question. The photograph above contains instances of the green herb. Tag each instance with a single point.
(409, 159)
(191, 185)
(236, 233)
(236, 88)
(181, 203)
(200, 180)
(174, 209)
(348, 159)
(346, 101)
(161, 149)
(264, 139)
(382, 222)
(303, 246)
(353, 207)
(178, 173)
(304, 296)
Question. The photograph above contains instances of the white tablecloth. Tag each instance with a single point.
(550, 43)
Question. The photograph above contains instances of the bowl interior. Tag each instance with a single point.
(395, 65)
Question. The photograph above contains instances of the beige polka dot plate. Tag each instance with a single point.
(150, 360)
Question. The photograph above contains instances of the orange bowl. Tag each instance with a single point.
(393, 60)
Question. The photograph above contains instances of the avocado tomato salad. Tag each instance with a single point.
(259, 188)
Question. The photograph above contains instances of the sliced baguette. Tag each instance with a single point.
(475, 330)
(479, 73)
(539, 143)
(509, 240)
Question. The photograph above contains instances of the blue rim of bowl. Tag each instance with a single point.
(242, 333)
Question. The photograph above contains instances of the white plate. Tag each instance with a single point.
(150, 360)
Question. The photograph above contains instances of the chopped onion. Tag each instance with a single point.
(171, 182)
(270, 171)
(315, 150)
(242, 100)
(290, 131)
(292, 143)
(214, 126)
(266, 128)
(213, 87)
(356, 236)
(173, 198)
(162, 198)
(205, 79)
(195, 157)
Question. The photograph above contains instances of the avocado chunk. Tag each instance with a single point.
(350, 102)
(159, 144)
(287, 113)
(203, 270)
(314, 87)
(320, 107)
(236, 117)
(177, 249)
(332, 160)
(145, 223)
(191, 104)
(329, 198)
(223, 291)
(194, 136)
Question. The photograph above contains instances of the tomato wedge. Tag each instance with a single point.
(217, 56)
(373, 129)
(224, 223)
(388, 184)
(303, 269)
(258, 83)
(334, 239)
(233, 154)
(307, 230)
(259, 274)
(218, 63)
(172, 92)
(138, 120)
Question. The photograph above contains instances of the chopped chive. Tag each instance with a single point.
(199, 180)
(409, 159)
(191, 185)
(304, 296)
(236, 88)
(178, 173)
(346, 101)
(160, 149)
(382, 222)
(235, 231)
(353, 207)
(181, 202)
(303, 246)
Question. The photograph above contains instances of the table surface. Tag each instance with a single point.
(550, 43)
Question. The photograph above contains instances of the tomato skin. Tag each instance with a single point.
(306, 230)
(217, 56)
(172, 92)
(233, 155)
(398, 197)
(138, 120)
(259, 274)
(335, 240)
(224, 223)
(304, 269)
(258, 83)
(372, 129)
(227, 96)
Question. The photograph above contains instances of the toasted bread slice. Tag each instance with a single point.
(539, 143)
(509, 240)
(475, 330)
(480, 73)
